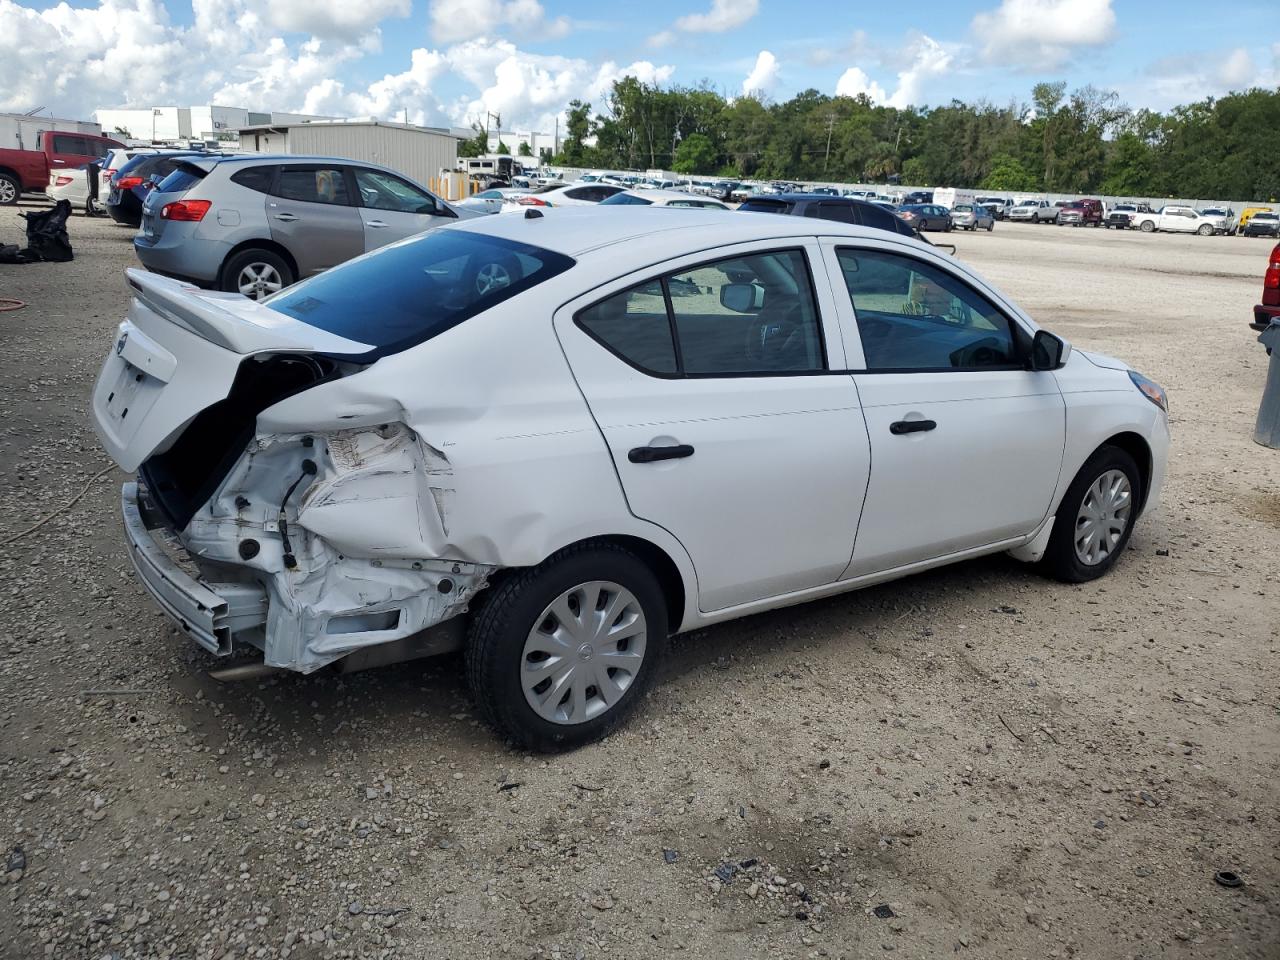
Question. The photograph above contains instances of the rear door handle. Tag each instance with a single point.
(286, 217)
(652, 454)
(374, 223)
(911, 426)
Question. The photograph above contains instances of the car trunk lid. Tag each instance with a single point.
(179, 351)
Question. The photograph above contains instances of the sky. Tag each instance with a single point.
(448, 62)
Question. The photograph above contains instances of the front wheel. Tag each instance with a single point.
(1095, 518)
(991, 226)
(1205, 230)
(559, 654)
(1147, 227)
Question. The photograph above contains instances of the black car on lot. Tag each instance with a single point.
(824, 207)
(926, 216)
(134, 180)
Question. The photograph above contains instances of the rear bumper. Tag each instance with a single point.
(177, 254)
(1263, 315)
(211, 614)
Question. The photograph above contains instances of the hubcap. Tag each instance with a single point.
(1103, 518)
(492, 277)
(583, 653)
(8, 193)
(258, 280)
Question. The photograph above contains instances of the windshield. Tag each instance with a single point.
(421, 287)
(963, 208)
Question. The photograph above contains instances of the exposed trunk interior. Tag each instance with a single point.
(186, 475)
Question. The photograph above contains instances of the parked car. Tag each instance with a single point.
(1269, 309)
(114, 160)
(1223, 219)
(1247, 214)
(137, 178)
(255, 223)
(998, 207)
(661, 198)
(1263, 224)
(822, 207)
(27, 171)
(348, 463)
(917, 197)
(1034, 211)
(493, 201)
(78, 186)
(972, 216)
(1081, 213)
(1122, 214)
(571, 195)
(926, 216)
(1175, 218)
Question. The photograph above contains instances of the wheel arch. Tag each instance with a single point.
(664, 568)
(1137, 447)
(259, 244)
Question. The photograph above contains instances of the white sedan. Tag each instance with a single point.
(554, 439)
(570, 195)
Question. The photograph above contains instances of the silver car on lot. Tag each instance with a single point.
(972, 216)
(257, 223)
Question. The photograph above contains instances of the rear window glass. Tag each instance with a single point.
(255, 178)
(624, 199)
(181, 180)
(425, 285)
(766, 206)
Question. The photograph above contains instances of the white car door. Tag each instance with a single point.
(966, 443)
(392, 209)
(717, 384)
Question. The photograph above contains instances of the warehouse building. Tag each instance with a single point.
(418, 152)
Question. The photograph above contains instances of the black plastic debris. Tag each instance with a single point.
(670, 856)
(1225, 878)
(17, 860)
(726, 871)
(508, 786)
(46, 237)
(884, 911)
(748, 863)
(802, 915)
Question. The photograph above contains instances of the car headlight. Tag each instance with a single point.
(1151, 390)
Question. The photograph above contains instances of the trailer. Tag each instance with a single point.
(21, 131)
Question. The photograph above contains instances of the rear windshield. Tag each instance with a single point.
(760, 205)
(623, 199)
(181, 180)
(407, 293)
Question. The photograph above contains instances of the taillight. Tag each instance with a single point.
(189, 210)
(533, 202)
(1271, 280)
(61, 181)
(128, 183)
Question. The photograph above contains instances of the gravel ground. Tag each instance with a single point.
(972, 761)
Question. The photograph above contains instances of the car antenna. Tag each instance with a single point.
(532, 214)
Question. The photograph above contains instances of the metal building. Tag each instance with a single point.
(418, 152)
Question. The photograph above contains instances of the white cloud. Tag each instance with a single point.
(855, 82)
(922, 58)
(453, 20)
(724, 15)
(1186, 78)
(332, 18)
(1043, 33)
(1238, 69)
(762, 75)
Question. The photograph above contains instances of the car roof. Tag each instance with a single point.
(668, 195)
(575, 231)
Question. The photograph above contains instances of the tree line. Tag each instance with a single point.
(1082, 141)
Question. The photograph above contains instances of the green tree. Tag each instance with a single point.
(503, 149)
(476, 146)
(525, 150)
(578, 125)
(696, 154)
(1008, 173)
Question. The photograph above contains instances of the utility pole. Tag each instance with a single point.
(831, 122)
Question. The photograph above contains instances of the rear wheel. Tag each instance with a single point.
(256, 273)
(10, 190)
(991, 225)
(559, 654)
(1095, 518)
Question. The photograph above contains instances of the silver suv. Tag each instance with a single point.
(254, 224)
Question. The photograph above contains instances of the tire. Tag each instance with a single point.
(1147, 226)
(271, 271)
(1064, 559)
(10, 190)
(991, 226)
(510, 624)
(1205, 230)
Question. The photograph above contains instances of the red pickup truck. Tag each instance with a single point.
(27, 171)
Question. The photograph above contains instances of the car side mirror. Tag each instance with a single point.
(1048, 352)
(742, 297)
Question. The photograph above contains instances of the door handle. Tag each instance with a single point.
(374, 223)
(286, 217)
(652, 454)
(911, 426)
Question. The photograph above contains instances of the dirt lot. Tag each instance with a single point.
(1017, 768)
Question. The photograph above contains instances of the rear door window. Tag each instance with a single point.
(634, 325)
(255, 178)
(842, 212)
(313, 185)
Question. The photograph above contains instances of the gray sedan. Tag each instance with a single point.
(971, 216)
(256, 223)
